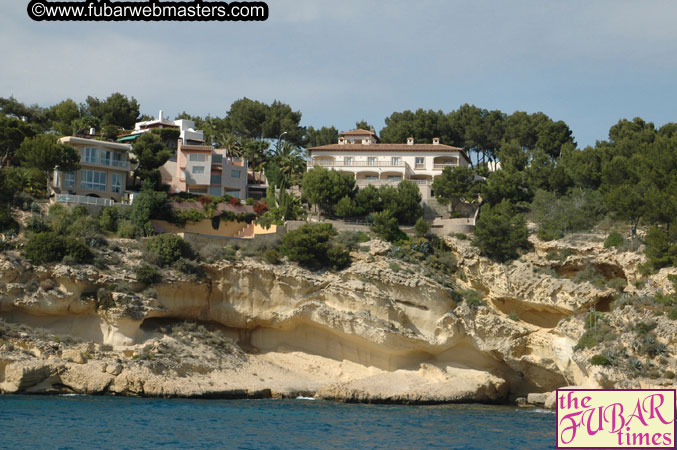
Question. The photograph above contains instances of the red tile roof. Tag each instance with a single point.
(389, 148)
(358, 132)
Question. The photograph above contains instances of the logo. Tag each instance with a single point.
(623, 418)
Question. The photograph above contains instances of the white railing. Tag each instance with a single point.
(84, 200)
(107, 163)
(364, 182)
(442, 166)
(356, 164)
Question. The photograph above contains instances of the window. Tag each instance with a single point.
(394, 178)
(348, 160)
(106, 157)
(183, 174)
(69, 179)
(371, 160)
(235, 174)
(217, 159)
(215, 191)
(396, 161)
(91, 155)
(420, 162)
(235, 194)
(93, 180)
(200, 157)
(197, 169)
(116, 183)
(371, 177)
(215, 179)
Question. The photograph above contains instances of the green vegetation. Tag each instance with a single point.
(600, 360)
(312, 247)
(614, 240)
(501, 232)
(421, 227)
(169, 248)
(148, 274)
(384, 225)
(48, 247)
(557, 216)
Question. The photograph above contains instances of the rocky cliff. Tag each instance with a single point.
(376, 331)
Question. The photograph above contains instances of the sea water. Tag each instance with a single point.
(82, 422)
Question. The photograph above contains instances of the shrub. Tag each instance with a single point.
(672, 315)
(352, 239)
(249, 201)
(514, 316)
(338, 257)
(395, 267)
(669, 374)
(149, 205)
(310, 247)
(169, 248)
(614, 240)
(345, 208)
(147, 274)
(78, 251)
(600, 360)
(589, 274)
(188, 267)
(385, 226)
(271, 256)
(7, 222)
(617, 283)
(37, 225)
(472, 298)
(50, 247)
(421, 227)
(557, 216)
(661, 248)
(127, 230)
(184, 216)
(234, 201)
(460, 236)
(500, 232)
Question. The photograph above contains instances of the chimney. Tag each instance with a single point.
(342, 140)
(159, 117)
(410, 141)
(436, 141)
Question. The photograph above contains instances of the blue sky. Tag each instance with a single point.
(588, 63)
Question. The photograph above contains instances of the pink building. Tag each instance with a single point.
(201, 169)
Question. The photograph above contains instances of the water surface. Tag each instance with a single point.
(130, 423)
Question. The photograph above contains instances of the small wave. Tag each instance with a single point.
(300, 397)
(72, 395)
(538, 411)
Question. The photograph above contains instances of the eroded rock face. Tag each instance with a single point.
(364, 334)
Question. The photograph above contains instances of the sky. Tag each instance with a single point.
(587, 62)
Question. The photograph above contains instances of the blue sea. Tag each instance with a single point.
(81, 422)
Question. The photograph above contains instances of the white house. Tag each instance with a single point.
(360, 153)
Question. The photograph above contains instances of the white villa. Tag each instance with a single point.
(358, 152)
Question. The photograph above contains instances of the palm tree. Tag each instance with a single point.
(231, 143)
(254, 151)
(290, 159)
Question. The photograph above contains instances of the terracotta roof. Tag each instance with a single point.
(358, 132)
(389, 148)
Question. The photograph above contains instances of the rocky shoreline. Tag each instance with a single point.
(376, 332)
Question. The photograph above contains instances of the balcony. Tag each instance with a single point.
(356, 164)
(84, 200)
(366, 182)
(442, 166)
(111, 163)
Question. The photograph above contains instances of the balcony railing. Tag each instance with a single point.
(107, 163)
(357, 164)
(84, 200)
(442, 166)
(366, 182)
